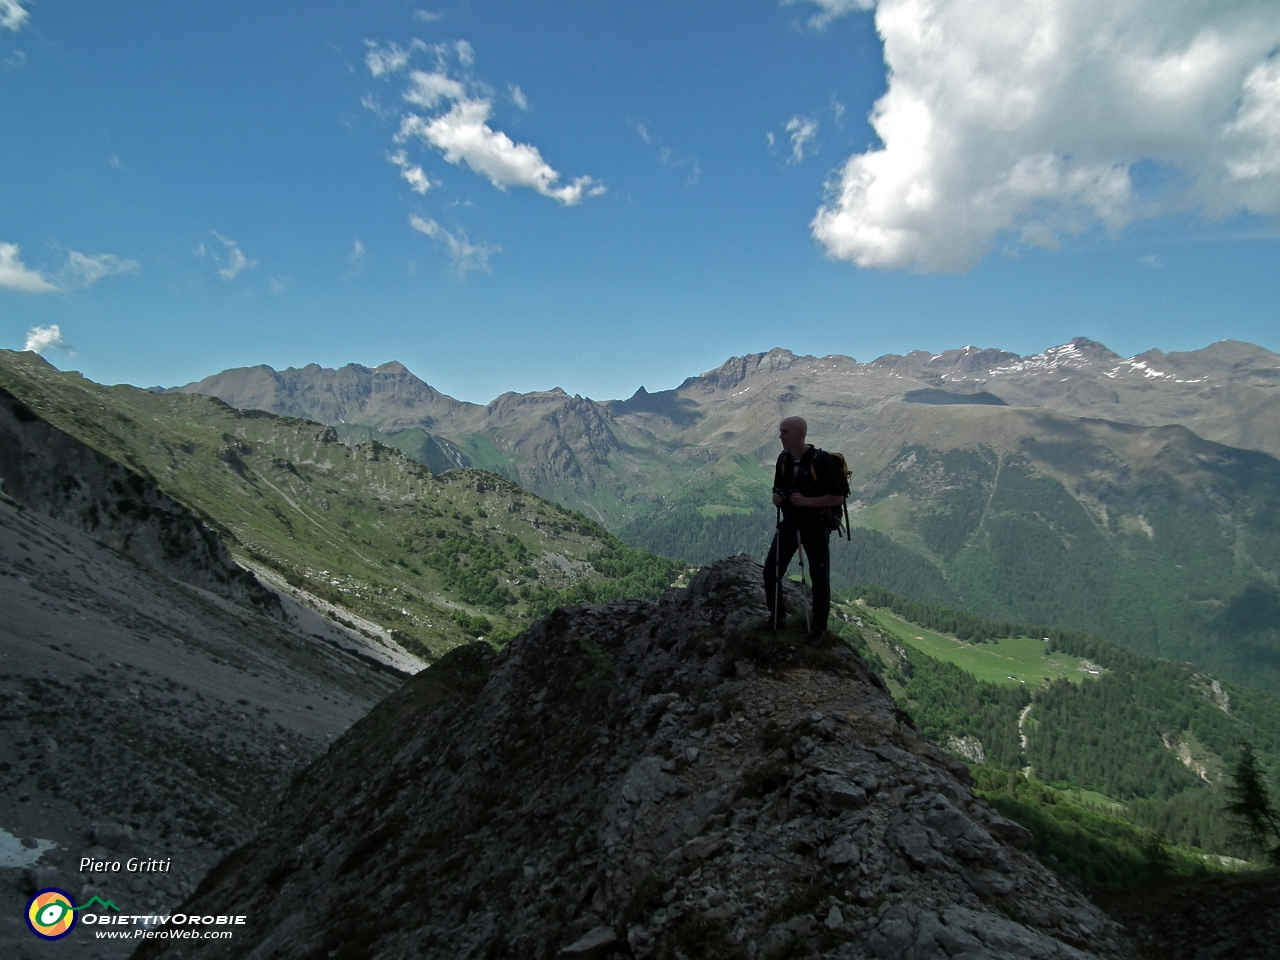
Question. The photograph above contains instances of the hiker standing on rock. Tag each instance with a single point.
(805, 487)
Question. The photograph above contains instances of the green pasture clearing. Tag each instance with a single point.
(484, 455)
(1024, 658)
(723, 510)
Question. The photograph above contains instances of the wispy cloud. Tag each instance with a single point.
(833, 10)
(40, 339)
(413, 174)
(689, 164)
(374, 106)
(802, 130)
(426, 16)
(276, 286)
(518, 97)
(84, 270)
(80, 270)
(466, 256)
(668, 157)
(231, 263)
(356, 258)
(391, 58)
(15, 275)
(1152, 260)
(12, 16)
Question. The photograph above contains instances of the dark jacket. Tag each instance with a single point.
(815, 478)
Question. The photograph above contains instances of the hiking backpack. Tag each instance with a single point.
(840, 467)
(837, 518)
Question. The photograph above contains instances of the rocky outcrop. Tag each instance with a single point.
(644, 780)
(50, 471)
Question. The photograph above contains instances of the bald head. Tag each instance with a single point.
(797, 423)
(792, 432)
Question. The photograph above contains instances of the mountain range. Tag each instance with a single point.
(1137, 498)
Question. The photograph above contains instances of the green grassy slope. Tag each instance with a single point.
(1146, 743)
(435, 559)
(1171, 555)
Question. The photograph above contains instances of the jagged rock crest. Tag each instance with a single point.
(644, 780)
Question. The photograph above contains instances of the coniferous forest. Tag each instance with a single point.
(1118, 774)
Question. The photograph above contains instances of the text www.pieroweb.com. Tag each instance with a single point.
(187, 927)
(164, 934)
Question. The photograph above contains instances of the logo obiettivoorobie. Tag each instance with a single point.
(51, 914)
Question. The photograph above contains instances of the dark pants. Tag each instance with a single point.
(817, 553)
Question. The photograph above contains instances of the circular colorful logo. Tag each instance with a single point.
(51, 914)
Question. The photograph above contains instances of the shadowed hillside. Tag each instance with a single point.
(649, 781)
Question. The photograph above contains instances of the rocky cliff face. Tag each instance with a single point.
(144, 713)
(643, 780)
(43, 468)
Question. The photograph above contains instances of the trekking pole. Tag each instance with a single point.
(777, 569)
(808, 607)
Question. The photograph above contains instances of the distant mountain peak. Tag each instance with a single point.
(736, 369)
(1081, 353)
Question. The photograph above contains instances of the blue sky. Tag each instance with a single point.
(611, 194)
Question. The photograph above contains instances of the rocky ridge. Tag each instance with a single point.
(644, 780)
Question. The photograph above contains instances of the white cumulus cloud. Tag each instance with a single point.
(85, 270)
(427, 90)
(15, 275)
(1041, 118)
(12, 15)
(465, 255)
(40, 339)
(463, 134)
(453, 115)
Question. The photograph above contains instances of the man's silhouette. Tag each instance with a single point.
(805, 487)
